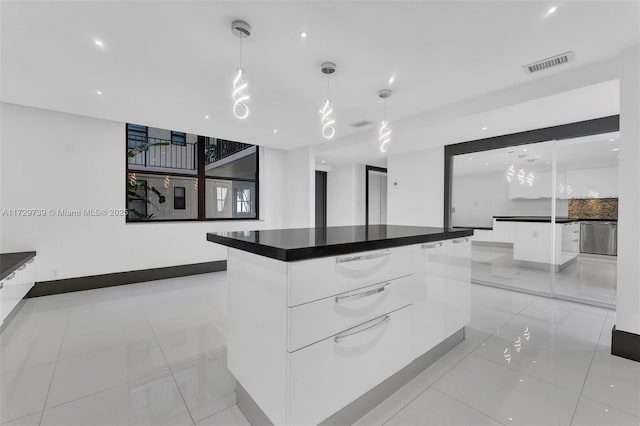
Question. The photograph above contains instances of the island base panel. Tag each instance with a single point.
(365, 403)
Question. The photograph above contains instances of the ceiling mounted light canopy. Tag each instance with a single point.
(242, 30)
(326, 112)
(384, 132)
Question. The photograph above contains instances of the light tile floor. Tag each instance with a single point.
(154, 353)
(590, 277)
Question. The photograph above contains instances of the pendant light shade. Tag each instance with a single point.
(384, 132)
(240, 96)
(327, 120)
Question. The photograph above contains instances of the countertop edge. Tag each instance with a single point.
(306, 253)
(27, 256)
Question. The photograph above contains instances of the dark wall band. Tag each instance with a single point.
(625, 344)
(46, 288)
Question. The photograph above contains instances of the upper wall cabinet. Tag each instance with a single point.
(592, 183)
(541, 186)
(585, 183)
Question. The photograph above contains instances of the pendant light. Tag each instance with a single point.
(326, 112)
(240, 97)
(384, 132)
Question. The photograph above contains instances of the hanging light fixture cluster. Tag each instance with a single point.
(239, 96)
(384, 132)
(521, 176)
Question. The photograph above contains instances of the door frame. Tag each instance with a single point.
(563, 131)
(367, 169)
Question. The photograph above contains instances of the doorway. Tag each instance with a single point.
(321, 199)
(376, 195)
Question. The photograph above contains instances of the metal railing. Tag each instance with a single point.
(217, 149)
(161, 153)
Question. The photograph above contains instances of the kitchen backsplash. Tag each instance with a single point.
(594, 208)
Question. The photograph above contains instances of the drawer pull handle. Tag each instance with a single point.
(22, 267)
(344, 259)
(377, 324)
(11, 276)
(432, 245)
(460, 240)
(362, 294)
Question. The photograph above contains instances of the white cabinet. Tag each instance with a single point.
(430, 297)
(458, 273)
(15, 287)
(541, 187)
(592, 183)
(307, 338)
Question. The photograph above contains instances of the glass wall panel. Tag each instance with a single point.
(587, 170)
(161, 197)
(506, 195)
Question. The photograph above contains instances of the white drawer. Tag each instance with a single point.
(316, 279)
(311, 322)
(16, 287)
(330, 374)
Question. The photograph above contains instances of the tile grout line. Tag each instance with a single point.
(55, 366)
(586, 377)
(168, 368)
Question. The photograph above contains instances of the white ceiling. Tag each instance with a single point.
(571, 154)
(168, 64)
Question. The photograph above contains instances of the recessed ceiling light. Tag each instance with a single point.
(275, 131)
(392, 79)
(206, 116)
(470, 158)
(486, 164)
(303, 34)
(525, 150)
(484, 128)
(611, 140)
(98, 92)
(552, 10)
(323, 161)
(98, 43)
(616, 149)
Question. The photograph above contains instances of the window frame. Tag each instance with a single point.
(201, 179)
(183, 198)
(175, 134)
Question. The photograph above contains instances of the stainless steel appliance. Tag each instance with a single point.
(599, 237)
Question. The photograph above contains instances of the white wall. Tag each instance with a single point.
(477, 198)
(346, 195)
(628, 303)
(415, 194)
(299, 211)
(53, 160)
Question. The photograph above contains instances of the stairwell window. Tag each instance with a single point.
(167, 182)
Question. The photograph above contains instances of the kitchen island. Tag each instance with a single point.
(325, 323)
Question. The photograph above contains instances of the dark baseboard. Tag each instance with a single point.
(625, 344)
(47, 288)
(12, 315)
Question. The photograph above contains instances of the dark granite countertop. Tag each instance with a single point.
(308, 243)
(10, 262)
(559, 219)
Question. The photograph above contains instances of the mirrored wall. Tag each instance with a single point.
(544, 215)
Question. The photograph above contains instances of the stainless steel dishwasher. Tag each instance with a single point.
(599, 237)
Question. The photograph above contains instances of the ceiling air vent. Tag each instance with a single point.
(360, 123)
(553, 61)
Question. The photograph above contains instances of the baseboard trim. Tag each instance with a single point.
(365, 403)
(625, 344)
(12, 315)
(47, 288)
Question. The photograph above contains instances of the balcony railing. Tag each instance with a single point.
(161, 153)
(217, 149)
